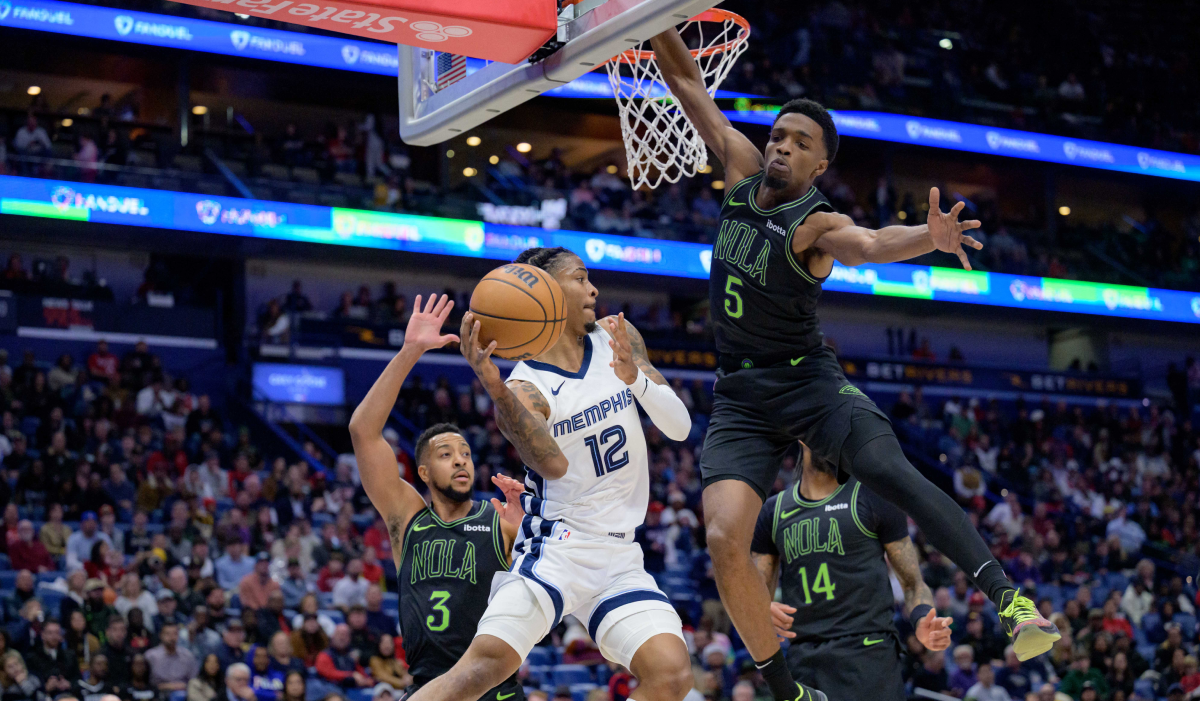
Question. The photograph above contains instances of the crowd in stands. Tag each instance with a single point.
(155, 552)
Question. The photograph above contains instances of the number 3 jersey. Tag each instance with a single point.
(831, 565)
(444, 578)
(594, 419)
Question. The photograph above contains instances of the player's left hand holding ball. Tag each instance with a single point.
(622, 362)
(934, 632)
(424, 330)
(947, 231)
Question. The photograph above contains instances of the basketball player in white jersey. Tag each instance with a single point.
(572, 415)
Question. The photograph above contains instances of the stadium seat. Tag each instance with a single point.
(539, 674)
(1187, 624)
(542, 657)
(51, 600)
(1117, 581)
(178, 696)
(1144, 688)
(325, 599)
(8, 579)
(1147, 652)
(579, 692)
(602, 673)
(571, 674)
(333, 614)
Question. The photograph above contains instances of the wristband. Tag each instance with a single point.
(919, 611)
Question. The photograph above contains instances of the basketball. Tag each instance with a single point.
(521, 308)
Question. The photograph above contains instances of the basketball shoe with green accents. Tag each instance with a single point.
(807, 693)
(1031, 634)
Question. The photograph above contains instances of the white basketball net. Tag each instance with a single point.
(661, 143)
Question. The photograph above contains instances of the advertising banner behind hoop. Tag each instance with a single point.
(498, 30)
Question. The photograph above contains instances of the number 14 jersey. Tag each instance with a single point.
(831, 559)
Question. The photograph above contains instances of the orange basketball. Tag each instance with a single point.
(521, 308)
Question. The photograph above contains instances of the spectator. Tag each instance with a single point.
(296, 300)
(53, 663)
(55, 534)
(102, 365)
(27, 553)
(168, 610)
(266, 682)
(385, 667)
(309, 605)
(31, 139)
(308, 639)
(231, 650)
(335, 664)
(233, 566)
(351, 590)
(281, 655)
(80, 641)
(964, 677)
(1082, 673)
(117, 650)
(237, 682)
(256, 586)
(295, 687)
(295, 586)
(1071, 89)
(95, 681)
(22, 593)
(378, 620)
(271, 619)
(81, 543)
(208, 684)
(986, 689)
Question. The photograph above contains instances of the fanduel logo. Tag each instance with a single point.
(997, 141)
(35, 14)
(595, 250)
(776, 228)
(917, 130)
(477, 529)
(240, 39)
(706, 260)
(350, 54)
(1074, 151)
(836, 507)
(124, 24)
(1146, 161)
(5, 8)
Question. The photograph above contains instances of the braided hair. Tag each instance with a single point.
(541, 257)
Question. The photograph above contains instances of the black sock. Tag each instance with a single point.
(776, 675)
(880, 464)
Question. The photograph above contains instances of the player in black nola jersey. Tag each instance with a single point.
(824, 543)
(447, 552)
(778, 383)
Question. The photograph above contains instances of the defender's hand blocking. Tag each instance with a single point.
(510, 510)
(934, 632)
(947, 231)
(424, 330)
(782, 620)
(622, 362)
(479, 358)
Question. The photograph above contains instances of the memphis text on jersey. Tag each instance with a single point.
(595, 413)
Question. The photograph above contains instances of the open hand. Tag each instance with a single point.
(622, 362)
(947, 231)
(510, 510)
(424, 330)
(934, 632)
(782, 619)
(479, 358)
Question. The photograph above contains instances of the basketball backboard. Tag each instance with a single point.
(590, 33)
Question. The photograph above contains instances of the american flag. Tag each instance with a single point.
(450, 69)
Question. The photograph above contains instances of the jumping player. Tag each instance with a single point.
(824, 543)
(778, 382)
(446, 553)
(571, 415)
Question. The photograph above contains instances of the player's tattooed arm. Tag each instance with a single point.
(903, 556)
(521, 413)
(768, 567)
(629, 350)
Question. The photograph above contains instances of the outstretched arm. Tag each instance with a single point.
(631, 363)
(932, 631)
(740, 157)
(837, 236)
(392, 497)
(521, 410)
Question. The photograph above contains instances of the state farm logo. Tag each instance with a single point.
(432, 31)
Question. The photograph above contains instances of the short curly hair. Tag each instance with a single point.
(543, 258)
(816, 112)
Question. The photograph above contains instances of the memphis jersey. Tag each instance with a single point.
(595, 421)
(831, 559)
(762, 298)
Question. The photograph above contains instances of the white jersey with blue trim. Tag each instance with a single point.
(595, 421)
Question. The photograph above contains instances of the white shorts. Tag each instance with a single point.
(600, 580)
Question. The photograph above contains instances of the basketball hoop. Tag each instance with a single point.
(660, 142)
